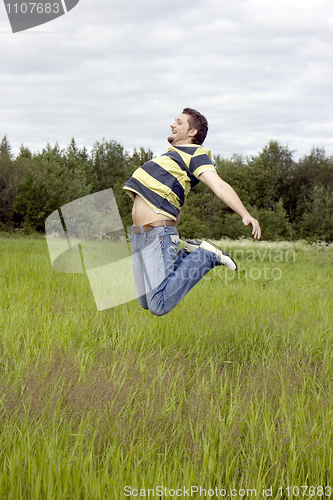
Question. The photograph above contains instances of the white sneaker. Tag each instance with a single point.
(225, 259)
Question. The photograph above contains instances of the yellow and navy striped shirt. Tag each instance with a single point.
(165, 181)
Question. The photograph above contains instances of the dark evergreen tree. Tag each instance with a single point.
(5, 147)
(24, 153)
(55, 177)
(111, 164)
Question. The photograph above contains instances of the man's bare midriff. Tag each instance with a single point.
(143, 214)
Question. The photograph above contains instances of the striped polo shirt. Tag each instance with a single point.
(165, 181)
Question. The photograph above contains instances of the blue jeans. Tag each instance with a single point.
(162, 275)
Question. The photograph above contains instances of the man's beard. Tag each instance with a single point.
(170, 139)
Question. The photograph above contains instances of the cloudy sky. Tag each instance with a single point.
(124, 69)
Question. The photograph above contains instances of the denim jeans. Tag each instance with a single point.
(162, 275)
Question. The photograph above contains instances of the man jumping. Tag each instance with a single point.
(162, 275)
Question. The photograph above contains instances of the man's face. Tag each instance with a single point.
(181, 133)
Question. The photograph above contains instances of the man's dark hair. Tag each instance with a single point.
(198, 121)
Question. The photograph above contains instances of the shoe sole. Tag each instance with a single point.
(229, 262)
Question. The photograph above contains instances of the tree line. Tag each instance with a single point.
(291, 199)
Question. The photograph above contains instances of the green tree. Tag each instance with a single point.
(268, 172)
(317, 219)
(140, 157)
(311, 171)
(237, 173)
(24, 153)
(7, 189)
(5, 147)
(55, 177)
(111, 164)
(12, 171)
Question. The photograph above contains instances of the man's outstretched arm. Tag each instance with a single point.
(226, 193)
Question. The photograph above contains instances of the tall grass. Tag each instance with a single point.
(232, 389)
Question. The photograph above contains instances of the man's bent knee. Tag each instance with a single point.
(157, 310)
(157, 307)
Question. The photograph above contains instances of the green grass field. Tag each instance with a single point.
(231, 390)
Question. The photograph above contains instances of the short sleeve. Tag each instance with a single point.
(201, 163)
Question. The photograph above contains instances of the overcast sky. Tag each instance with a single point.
(124, 69)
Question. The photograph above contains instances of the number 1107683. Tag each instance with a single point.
(302, 491)
(33, 8)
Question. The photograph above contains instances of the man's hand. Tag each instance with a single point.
(256, 231)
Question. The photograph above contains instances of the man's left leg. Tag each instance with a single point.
(166, 275)
(181, 272)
